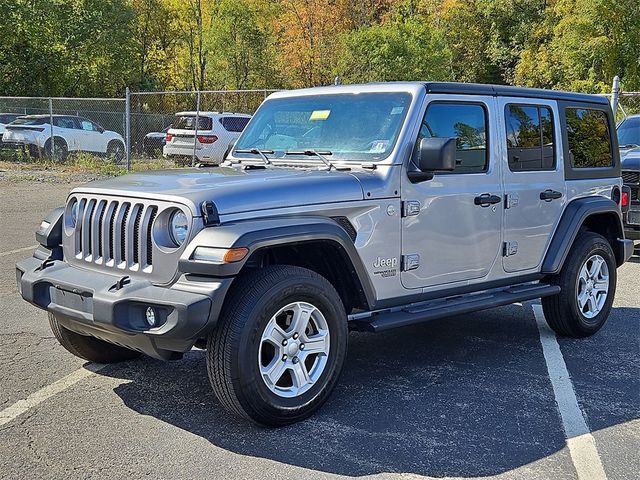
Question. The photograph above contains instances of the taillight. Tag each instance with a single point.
(207, 138)
(625, 198)
(168, 137)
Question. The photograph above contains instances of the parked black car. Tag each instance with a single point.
(153, 142)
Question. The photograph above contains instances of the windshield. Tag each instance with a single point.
(629, 132)
(360, 127)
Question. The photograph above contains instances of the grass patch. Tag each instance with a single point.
(79, 163)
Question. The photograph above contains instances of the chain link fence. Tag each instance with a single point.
(118, 130)
(134, 128)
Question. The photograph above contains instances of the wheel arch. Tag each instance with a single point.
(596, 214)
(319, 244)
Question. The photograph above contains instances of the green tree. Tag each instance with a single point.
(582, 44)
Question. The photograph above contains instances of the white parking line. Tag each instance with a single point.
(22, 406)
(18, 250)
(582, 445)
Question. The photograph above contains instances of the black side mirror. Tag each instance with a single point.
(100, 129)
(434, 155)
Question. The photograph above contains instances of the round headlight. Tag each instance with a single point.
(178, 227)
(74, 213)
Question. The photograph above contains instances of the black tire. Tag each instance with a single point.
(89, 348)
(562, 311)
(60, 149)
(232, 348)
(116, 151)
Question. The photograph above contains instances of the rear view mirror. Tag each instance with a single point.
(434, 155)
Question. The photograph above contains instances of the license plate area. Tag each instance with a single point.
(77, 301)
(633, 217)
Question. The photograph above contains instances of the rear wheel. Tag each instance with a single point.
(588, 284)
(115, 151)
(279, 347)
(60, 149)
(89, 348)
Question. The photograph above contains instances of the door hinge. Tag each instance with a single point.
(410, 208)
(410, 262)
(511, 200)
(509, 248)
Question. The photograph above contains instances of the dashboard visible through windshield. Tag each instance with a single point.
(358, 127)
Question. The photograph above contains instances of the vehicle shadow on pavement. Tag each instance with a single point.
(457, 397)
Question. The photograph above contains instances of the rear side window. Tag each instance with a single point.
(467, 123)
(234, 124)
(530, 145)
(188, 122)
(63, 122)
(588, 138)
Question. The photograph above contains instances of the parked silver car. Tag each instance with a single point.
(366, 207)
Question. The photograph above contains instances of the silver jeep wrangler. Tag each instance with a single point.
(367, 207)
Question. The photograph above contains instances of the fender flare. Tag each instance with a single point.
(574, 216)
(259, 234)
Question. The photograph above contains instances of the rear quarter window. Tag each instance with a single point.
(588, 138)
(234, 124)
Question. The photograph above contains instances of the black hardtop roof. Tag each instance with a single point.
(509, 91)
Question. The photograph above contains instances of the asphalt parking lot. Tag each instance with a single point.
(482, 395)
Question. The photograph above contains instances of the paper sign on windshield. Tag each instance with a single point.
(319, 115)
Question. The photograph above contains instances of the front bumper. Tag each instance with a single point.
(91, 303)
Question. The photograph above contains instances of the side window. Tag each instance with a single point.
(87, 125)
(234, 124)
(530, 145)
(589, 138)
(63, 122)
(467, 122)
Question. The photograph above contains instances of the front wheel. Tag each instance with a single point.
(588, 285)
(279, 347)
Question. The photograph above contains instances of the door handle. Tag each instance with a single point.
(487, 199)
(549, 195)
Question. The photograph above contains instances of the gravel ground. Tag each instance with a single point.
(464, 397)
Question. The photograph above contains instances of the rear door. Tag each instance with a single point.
(533, 173)
(69, 129)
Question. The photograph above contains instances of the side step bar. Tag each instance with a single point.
(418, 313)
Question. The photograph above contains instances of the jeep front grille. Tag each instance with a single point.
(115, 233)
(631, 178)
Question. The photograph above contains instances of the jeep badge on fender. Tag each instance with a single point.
(503, 195)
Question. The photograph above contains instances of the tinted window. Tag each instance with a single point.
(234, 124)
(188, 122)
(529, 138)
(588, 135)
(7, 118)
(468, 124)
(63, 122)
(629, 132)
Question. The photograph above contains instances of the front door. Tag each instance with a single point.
(451, 226)
(533, 177)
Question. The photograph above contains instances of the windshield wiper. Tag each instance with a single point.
(320, 155)
(255, 151)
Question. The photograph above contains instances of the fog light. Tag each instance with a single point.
(151, 317)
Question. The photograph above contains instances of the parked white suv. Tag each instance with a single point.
(216, 131)
(71, 134)
(6, 118)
